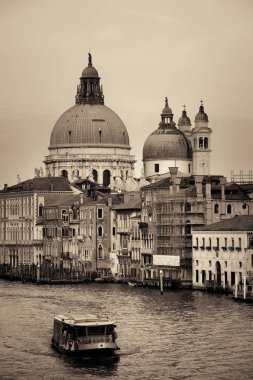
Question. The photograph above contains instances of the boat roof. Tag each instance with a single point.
(83, 320)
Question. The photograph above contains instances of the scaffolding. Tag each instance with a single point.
(171, 223)
(242, 177)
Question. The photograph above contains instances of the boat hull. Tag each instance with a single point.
(88, 352)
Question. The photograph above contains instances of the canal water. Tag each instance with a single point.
(179, 335)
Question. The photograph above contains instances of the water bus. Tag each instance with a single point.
(84, 335)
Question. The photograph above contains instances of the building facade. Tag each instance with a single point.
(222, 254)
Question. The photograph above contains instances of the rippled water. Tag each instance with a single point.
(180, 335)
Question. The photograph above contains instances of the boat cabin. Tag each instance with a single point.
(86, 333)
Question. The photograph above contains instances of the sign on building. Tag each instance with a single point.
(168, 260)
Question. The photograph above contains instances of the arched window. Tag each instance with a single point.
(75, 173)
(64, 216)
(206, 143)
(106, 178)
(216, 208)
(41, 209)
(100, 231)
(95, 175)
(229, 209)
(64, 173)
(201, 142)
(100, 252)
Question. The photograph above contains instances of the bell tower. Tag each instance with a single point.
(201, 143)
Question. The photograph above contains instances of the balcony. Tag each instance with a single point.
(231, 248)
(216, 248)
(224, 248)
(123, 230)
(146, 251)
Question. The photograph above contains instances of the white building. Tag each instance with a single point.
(223, 253)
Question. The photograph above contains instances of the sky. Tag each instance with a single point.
(144, 50)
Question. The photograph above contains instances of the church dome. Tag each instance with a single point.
(201, 115)
(89, 124)
(90, 72)
(184, 120)
(167, 142)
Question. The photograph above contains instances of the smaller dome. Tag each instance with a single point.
(167, 110)
(90, 72)
(201, 115)
(184, 119)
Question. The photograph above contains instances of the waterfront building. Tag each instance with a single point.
(174, 206)
(89, 140)
(21, 220)
(127, 218)
(187, 148)
(95, 235)
(222, 254)
(61, 241)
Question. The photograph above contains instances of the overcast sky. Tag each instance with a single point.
(144, 50)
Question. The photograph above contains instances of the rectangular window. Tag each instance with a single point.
(156, 168)
(210, 275)
(217, 242)
(114, 231)
(100, 213)
(197, 275)
(240, 242)
(252, 261)
(233, 243)
(225, 264)
(232, 278)
(226, 242)
(226, 277)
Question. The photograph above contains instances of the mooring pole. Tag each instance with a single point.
(236, 285)
(244, 286)
(38, 274)
(161, 282)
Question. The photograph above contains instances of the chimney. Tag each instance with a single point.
(223, 181)
(174, 179)
(110, 202)
(198, 184)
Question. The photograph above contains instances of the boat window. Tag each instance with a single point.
(81, 331)
(96, 330)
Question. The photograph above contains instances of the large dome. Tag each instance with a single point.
(167, 144)
(89, 124)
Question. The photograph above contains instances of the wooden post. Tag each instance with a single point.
(161, 282)
(244, 286)
(236, 285)
(38, 274)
